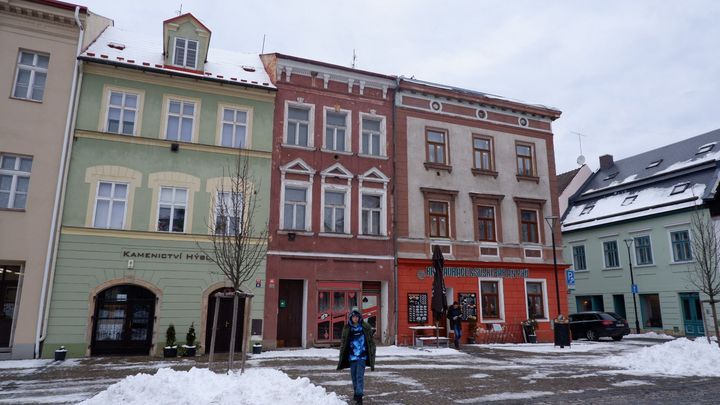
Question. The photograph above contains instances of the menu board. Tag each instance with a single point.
(417, 307)
(468, 305)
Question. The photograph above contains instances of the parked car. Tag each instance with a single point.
(595, 324)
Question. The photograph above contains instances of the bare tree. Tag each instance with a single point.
(704, 274)
(237, 243)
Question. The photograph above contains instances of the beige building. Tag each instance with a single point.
(39, 42)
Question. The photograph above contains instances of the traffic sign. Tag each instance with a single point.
(634, 289)
(570, 277)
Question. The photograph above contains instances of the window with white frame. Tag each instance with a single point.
(372, 214)
(186, 51)
(180, 120)
(334, 211)
(234, 128)
(298, 126)
(228, 213)
(294, 208)
(122, 112)
(14, 180)
(610, 254)
(535, 293)
(579, 261)
(171, 209)
(680, 240)
(372, 137)
(110, 205)
(336, 129)
(643, 251)
(490, 299)
(30, 75)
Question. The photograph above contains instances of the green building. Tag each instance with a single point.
(158, 124)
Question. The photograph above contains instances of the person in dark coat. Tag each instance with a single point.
(357, 350)
(455, 317)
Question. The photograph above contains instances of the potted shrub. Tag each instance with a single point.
(189, 348)
(170, 349)
(472, 327)
(529, 327)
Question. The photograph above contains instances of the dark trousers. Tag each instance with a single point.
(357, 373)
(458, 332)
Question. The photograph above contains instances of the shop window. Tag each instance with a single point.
(333, 307)
(9, 281)
(650, 307)
(490, 295)
(535, 300)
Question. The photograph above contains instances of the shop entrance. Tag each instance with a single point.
(9, 280)
(124, 320)
(290, 312)
(224, 321)
(334, 303)
(371, 306)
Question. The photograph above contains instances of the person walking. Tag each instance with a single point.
(455, 317)
(357, 350)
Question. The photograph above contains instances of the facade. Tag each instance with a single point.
(475, 176)
(569, 183)
(640, 209)
(39, 41)
(331, 231)
(160, 122)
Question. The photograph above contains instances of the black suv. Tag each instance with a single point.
(595, 324)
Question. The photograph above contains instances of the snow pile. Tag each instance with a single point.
(650, 335)
(680, 357)
(202, 386)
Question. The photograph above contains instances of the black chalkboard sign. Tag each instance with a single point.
(468, 305)
(417, 307)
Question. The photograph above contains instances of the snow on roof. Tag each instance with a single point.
(122, 47)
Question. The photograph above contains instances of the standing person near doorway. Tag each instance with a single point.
(357, 350)
(455, 317)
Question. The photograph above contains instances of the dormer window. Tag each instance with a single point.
(705, 148)
(587, 209)
(680, 188)
(653, 164)
(629, 200)
(185, 53)
(610, 176)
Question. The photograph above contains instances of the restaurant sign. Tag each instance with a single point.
(490, 272)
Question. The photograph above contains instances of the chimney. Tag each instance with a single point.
(606, 162)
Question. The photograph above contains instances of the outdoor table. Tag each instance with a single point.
(430, 327)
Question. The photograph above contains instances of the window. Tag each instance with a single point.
(643, 251)
(180, 120)
(30, 75)
(372, 139)
(610, 254)
(490, 298)
(334, 212)
(371, 214)
(436, 146)
(629, 200)
(681, 246)
(486, 223)
(336, 130)
(294, 208)
(653, 164)
(14, 180)
(228, 213)
(524, 159)
(439, 219)
(529, 226)
(234, 128)
(650, 307)
(171, 210)
(122, 113)
(535, 300)
(482, 153)
(587, 209)
(298, 124)
(186, 53)
(579, 258)
(610, 176)
(705, 148)
(110, 204)
(680, 188)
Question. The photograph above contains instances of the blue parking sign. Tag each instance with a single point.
(634, 289)
(570, 277)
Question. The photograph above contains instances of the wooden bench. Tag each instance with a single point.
(437, 341)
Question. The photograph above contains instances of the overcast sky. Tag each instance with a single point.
(629, 75)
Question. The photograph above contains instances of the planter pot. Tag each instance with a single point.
(257, 348)
(532, 339)
(189, 351)
(170, 351)
(60, 354)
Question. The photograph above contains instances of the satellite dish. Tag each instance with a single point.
(581, 160)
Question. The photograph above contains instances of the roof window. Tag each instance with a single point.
(680, 188)
(587, 209)
(116, 45)
(705, 148)
(248, 68)
(653, 164)
(629, 200)
(610, 176)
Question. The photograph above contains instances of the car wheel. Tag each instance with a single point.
(591, 335)
(617, 338)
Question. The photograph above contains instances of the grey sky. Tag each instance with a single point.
(630, 75)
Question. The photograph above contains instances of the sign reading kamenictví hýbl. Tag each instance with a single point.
(480, 272)
(165, 255)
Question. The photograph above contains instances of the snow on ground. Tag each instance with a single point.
(506, 396)
(679, 357)
(202, 386)
(650, 335)
(382, 351)
(631, 383)
(8, 364)
(582, 347)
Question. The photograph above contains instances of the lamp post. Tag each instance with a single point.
(552, 221)
(633, 287)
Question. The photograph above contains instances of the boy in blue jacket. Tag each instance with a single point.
(357, 350)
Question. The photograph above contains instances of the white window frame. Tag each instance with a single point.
(635, 250)
(107, 106)
(34, 69)
(383, 135)
(310, 124)
(166, 117)
(672, 251)
(572, 252)
(308, 204)
(173, 205)
(602, 249)
(221, 122)
(501, 300)
(338, 189)
(240, 200)
(110, 202)
(16, 173)
(376, 192)
(545, 298)
(348, 130)
(185, 53)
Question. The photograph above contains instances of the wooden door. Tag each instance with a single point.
(124, 320)
(290, 312)
(222, 335)
(692, 314)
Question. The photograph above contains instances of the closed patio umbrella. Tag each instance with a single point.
(439, 299)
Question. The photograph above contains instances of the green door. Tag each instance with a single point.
(692, 314)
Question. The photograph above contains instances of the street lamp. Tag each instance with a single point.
(633, 287)
(552, 221)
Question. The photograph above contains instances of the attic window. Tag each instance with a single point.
(680, 188)
(248, 68)
(629, 200)
(587, 209)
(653, 164)
(705, 148)
(116, 45)
(185, 53)
(610, 176)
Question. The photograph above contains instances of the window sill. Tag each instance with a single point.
(612, 268)
(336, 235)
(287, 145)
(381, 157)
(437, 166)
(491, 321)
(644, 266)
(521, 177)
(682, 263)
(26, 99)
(373, 237)
(483, 172)
(296, 232)
(13, 209)
(338, 152)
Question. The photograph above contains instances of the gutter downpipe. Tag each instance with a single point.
(394, 208)
(41, 328)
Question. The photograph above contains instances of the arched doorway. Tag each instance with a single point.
(222, 336)
(124, 320)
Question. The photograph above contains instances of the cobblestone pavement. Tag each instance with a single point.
(473, 375)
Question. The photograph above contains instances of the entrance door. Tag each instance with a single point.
(290, 312)
(333, 309)
(222, 335)
(692, 314)
(124, 318)
(9, 279)
(371, 311)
